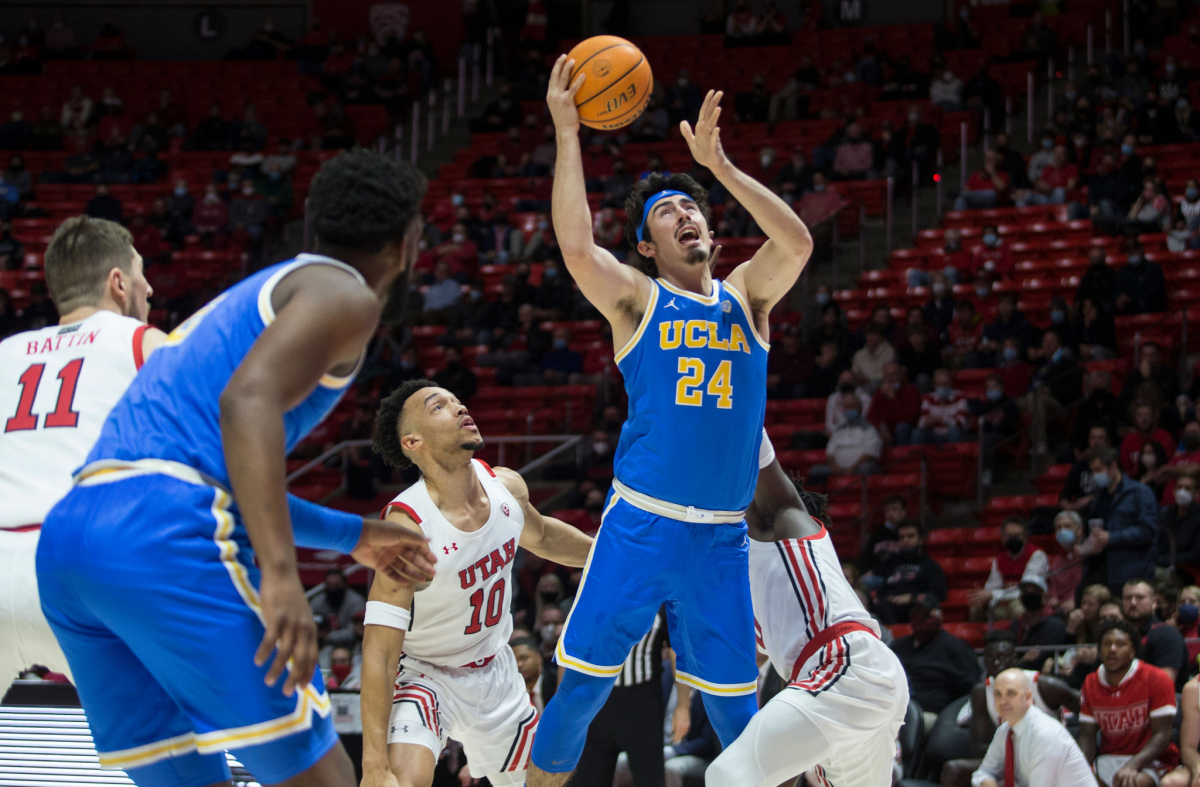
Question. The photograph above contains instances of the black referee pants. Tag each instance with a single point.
(631, 721)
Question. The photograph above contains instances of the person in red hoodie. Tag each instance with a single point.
(895, 407)
(1146, 428)
(943, 413)
(986, 188)
(964, 335)
(1054, 184)
(994, 256)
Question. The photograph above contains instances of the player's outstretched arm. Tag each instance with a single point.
(604, 281)
(546, 536)
(388, 613)
(324, 319)
(768, 276)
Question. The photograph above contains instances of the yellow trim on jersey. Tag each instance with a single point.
(707, 300)
(641, 329)
(724, 689)
(737, 296)
(560, 652)
(150, 753)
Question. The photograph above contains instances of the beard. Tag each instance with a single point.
(394, 303)
(697, 256)
(472, 445)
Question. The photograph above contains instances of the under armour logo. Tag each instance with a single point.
(406, 728)
(447, 549)
(672, 305)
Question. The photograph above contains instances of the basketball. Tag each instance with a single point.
(618, 82)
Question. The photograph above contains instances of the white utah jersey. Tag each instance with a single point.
(798, 590)
(462, 618)
(57, 387)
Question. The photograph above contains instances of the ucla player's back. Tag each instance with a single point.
(695, 371)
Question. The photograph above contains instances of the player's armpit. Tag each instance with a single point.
(617, 290)
(545, 536)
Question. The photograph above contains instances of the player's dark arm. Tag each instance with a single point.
(1087, 740)
(546, 536)
(1057, 693)
(777, 499)
(382, 644)
(981, 729)
(1160, 736)
(768, 276)
(324, 319)
(602, 279)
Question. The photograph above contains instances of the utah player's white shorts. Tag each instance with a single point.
(25, 636)
(842, 731)
(486, 709)
(1107, 766)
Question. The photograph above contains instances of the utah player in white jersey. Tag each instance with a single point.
(847, 694)
(457, 676)
(57, 386)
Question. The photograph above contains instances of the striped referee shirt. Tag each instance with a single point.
(644, 663)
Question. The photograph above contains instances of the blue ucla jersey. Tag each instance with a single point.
(696, 375)
(172, 409)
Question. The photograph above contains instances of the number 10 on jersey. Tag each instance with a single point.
(692, 374)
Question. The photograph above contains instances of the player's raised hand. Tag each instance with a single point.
(291, 631)
(560, 95)
(705, 141)
(395, 550)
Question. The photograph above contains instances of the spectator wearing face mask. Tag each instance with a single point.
(338, 604)
(1018, 559)
(908, 573)
(1185, 620)
(895, 407)
(1150, 369)
(1179, 529)
(963, 338)
(1079, 487)
(854, 155)
(987, 187)
(1057, 179)
(1151, 468)
(1122, 522)
(1146, 429)
(993, 256)
(943, 413)
(1012, 367)
(1037, 626)
(854, 447)
(1066, 565)
(1009, 323)
(820, 203)
(560, 362)
(344, 673)
(1140, 286)
(882, 543)
(869, 362)
(955, 260)
(1057, 383)
(1000, 419)
(1099, 281)
(835, 413)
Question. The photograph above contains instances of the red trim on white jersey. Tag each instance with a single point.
(425, 701)
(518, 757)
(487, 467)
(405, 507)
(139, 357)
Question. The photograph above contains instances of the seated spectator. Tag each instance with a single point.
(920, 358)
(994, 257)
(868, 363)
(560, 362)
(541, 684)
(211, 133)
(283, 158)
(18, 177)
(882, 543)
(248, 211)
(1123, 524)
(210, 216)
(109, 43)
(60, 41)
(338, 605)
(1187, 612)
(940, 667)
(455, 377)
(1055, 181)
(1018, 559)
(104, 205)
(943, 413)
(1150, 371)
(1037, 625)
(171, 115)
(76, 113)
(1179, 529)
(821, 203)
(835, 404)
(441, 295)
(1000, 419)
(963, 338)
(921, 142)
(939, 310)
(956, 262)
(908, 573)
(946, 92)
(1009, 323)
(895, 407)
(1057, 383)
(1151, 468)
(753, 106)
(1030, 745)
(1146, 429)
(790, 366)
(653, 124)
(1066, 566)
(247, 161)
(831, 328)
(795, 177)
(854, 448)
(986, 188)
(607, 232)
(854, 156)
(827, 369)
(1137, 739)
(1140, 286)
(683, 98)
(1093, 335)
(1162, 644)
(277, 191)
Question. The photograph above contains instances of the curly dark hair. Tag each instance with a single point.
(636, 201)
(363, 200)
(1130, 630)
(387, 423)
(815, 503)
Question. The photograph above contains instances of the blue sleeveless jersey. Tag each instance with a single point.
(696, 375)
(172, 409)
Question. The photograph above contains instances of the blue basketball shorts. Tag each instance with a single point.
(150, 586)
(699, 570)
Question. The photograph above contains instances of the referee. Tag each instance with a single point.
(631, 721)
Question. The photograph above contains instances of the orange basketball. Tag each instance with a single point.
(618, 81)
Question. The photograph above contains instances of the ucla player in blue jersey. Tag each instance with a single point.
(168, 573)
(693, 352)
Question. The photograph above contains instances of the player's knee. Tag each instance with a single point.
(1176, 778)
(720, 773)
